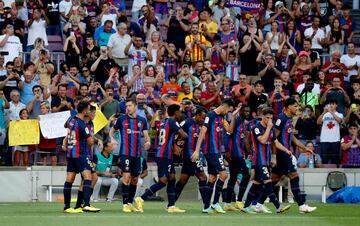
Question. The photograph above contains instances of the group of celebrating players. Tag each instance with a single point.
(206, 132)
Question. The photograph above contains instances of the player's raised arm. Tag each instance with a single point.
(230, 127)
(264, 138)
(302, 147)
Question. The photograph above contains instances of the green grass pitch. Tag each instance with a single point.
(50, 214)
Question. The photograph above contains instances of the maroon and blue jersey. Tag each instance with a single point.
(278, 102)
(168, 128)
(171, 66)
(77, 135)
(351, 156)
(214, 135)
(192, 129)
(237, 141)
(90, 126)
(226, 38)
(262, 152)
(284, 124)
(130, 134)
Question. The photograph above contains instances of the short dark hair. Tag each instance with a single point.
(199, 110)
(27, 65)
(132, 100)
(62, 85)
(9, 63)
(289, 101)
(172, 109)
(92, 108)
(332, 101)
(228, 102)
(37, 86)
(82, 106)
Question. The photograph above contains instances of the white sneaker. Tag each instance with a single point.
(218, 208)
(306, 209)
(259, 208)
(290, 200)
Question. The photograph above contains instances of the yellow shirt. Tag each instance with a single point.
(212, 27)
(183, 96)
(197, 54)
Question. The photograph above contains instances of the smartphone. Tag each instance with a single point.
(306, 112)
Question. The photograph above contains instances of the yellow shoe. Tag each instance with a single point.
(90, 209)
(239, 205)
(72, 210)
(139, 204)
(126, 208)
(133, 208)
(174, 209)
(230, 208)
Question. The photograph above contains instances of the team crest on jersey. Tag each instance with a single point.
(128, 131)
(87, 130)
(218, 129)
(206, 120)
(195, 135)
(257, 131)
(278, 122)
(289, 130)
(139, 124)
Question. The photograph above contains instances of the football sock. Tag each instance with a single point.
(210, 189)
(67, 195)
(80, 199)
(296, 190)
(125, 193)
(252, 194)
(218, 189)
(178, 189)
(152, 190)
(269, 192)
(242, 188)
(132, 191)
(230, 189)
(203, 189)
(87, 192)
(170, 190)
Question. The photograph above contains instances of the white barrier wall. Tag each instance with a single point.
(24, 185)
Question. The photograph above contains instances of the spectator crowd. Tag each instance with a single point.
(188, 53)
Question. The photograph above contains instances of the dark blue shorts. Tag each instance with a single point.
(78, 165)
(130, 165)
(238, 165)
(262, 173)
(215, 163)
(284, 164)
(191, 168)
(165, 167)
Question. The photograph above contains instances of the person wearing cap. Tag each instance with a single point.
(350, 145)
(316, 34)
(301, 67)
(117, 44)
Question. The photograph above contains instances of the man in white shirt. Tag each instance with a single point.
(10, 45)
(37, 28)
(316, 35)
(117, 44)
(330, 121)
(64, 9)
(15, 106)
(301, 87)
(107, 15)
(352, 63)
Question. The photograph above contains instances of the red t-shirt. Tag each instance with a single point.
(206, 95)
(46, 143)
(337, 70)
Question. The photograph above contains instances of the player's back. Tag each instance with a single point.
(238, 138)
(214, 135)
(168, 128)
(192, 129)
(284, 124)
(78, 133)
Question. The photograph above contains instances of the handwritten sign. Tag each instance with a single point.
(24, 132)
(52, 125)
(245, 5)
